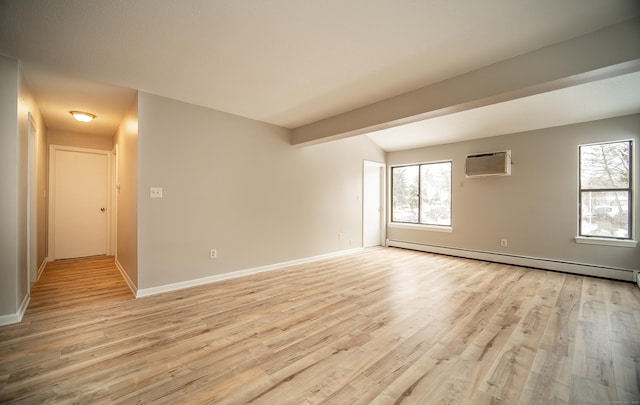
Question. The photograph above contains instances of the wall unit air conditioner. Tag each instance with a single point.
(488, 164)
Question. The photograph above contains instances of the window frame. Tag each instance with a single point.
(418, 224)
(603, 239)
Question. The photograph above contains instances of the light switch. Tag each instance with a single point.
(155, 192)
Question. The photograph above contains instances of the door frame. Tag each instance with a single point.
(383, 172)
(114, 189)
(52, 190)
(32, 202)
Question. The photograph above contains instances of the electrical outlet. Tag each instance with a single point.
(155, 192)
(503, 242)
(340, 236)
(213, 254)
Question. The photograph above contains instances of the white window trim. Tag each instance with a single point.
(594, 240)
(421, 227)
(591, 240)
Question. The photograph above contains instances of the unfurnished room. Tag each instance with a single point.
(319, 202)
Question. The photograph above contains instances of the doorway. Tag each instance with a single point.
(79, 203)
(373, 213)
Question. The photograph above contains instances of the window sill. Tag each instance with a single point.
(420, 227)
(606, 242)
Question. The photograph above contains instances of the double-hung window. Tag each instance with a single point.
(421, 194)
(606, 190)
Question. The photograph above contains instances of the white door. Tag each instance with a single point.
(80, 181)
(373, 204)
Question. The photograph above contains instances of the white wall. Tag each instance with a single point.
(79, 140)
(535, 208)
(27, 105)
(43, 186)
(238, 185)
(126, 137)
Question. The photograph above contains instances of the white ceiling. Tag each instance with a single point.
(287, 62)
(57, 94)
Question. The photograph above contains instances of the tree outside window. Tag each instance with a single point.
(605, 190)
(421, 194)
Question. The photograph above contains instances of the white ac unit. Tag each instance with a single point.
(488, 164)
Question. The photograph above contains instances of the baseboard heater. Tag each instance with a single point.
(545, 264)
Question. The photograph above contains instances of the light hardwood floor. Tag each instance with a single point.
(383, 326)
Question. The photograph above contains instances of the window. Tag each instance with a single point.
(605, 190)
(421, 194)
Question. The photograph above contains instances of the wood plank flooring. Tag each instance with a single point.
(381, 326)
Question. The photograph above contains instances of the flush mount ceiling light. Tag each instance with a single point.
(82, 116)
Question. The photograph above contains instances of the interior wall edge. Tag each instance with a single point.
(126, 278)
(11, 319)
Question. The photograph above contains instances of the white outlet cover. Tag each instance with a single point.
(155, 192)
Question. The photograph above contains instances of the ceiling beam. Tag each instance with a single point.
(609, 52)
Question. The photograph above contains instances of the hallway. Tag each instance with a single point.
(75, 286)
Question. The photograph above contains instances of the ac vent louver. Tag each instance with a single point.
(488, 164)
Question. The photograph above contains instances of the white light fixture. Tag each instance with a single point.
(82, 116)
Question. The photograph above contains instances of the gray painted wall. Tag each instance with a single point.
(16, 102)
(9, 186)
(238, 186)
(535, 208)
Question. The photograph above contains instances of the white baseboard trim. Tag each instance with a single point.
(41, 268)
(17, 317)
(546, 264)
(130, 283)
(23, 307)
(145, 292)
(9, 319)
